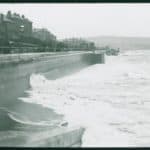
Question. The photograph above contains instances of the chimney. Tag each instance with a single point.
(23, 16)
(9, 14)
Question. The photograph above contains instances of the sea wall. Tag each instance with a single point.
(58, 137)
(62, 137)
(15, 77)
(15, 80)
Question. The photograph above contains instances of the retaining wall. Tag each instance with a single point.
(14, 81)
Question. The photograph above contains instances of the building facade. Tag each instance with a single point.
(13, 26)
(79, 44)
(46, 37)
(43, 34)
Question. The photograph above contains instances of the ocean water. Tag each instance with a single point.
(111, 101)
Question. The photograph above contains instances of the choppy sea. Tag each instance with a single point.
(111, 101)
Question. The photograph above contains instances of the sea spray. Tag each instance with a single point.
(110, 100)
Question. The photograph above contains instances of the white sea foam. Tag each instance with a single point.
(110, 100)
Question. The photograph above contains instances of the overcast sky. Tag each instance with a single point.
(85, 20)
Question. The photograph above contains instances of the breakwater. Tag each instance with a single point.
(15, 80)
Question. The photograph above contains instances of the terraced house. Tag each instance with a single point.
(13, 26)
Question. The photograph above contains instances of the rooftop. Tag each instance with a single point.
(9, 17)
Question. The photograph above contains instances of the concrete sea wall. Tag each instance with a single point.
(62, 137)
(14, 81)
(58, 137)
(14, 78)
